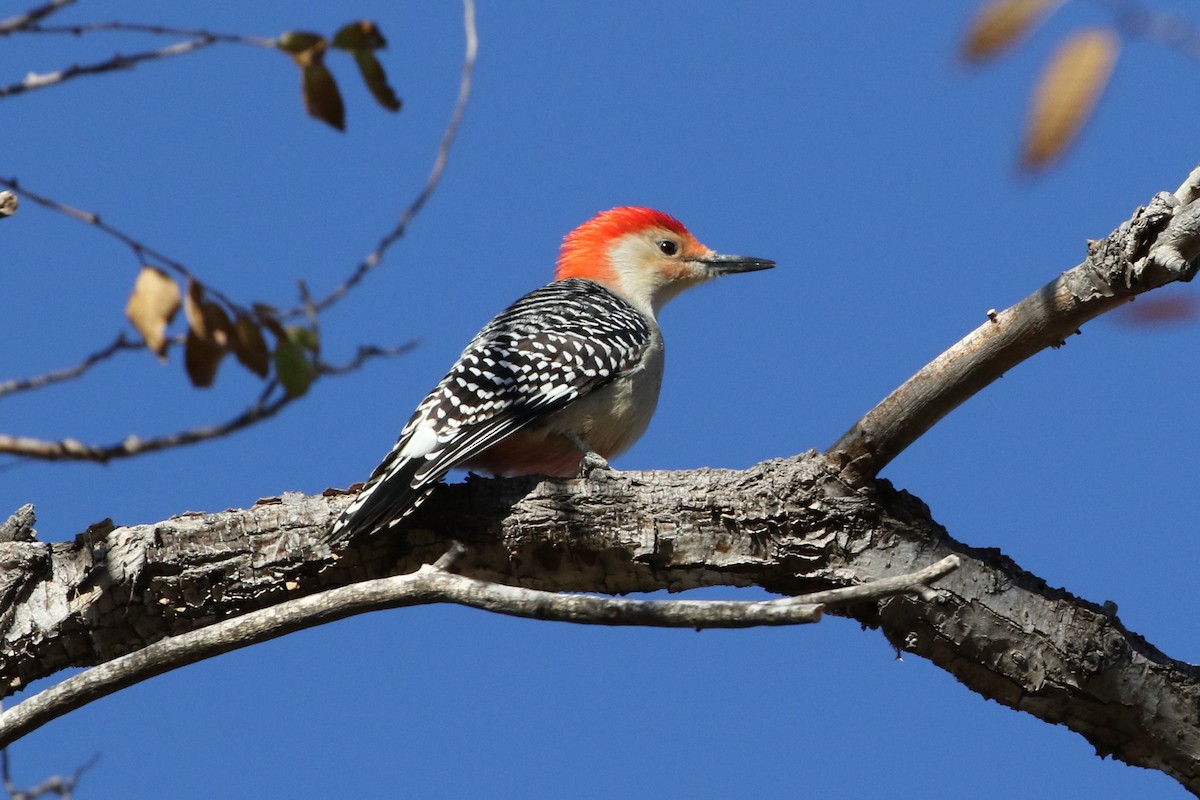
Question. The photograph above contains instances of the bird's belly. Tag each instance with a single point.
(609, 419)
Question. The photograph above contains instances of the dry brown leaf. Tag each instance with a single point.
(205, 318)
(376, 80)
(321, 96)
(201, 359)
(151, 307)
(8, 204)
(1067, 92)
(997, 26)
(250, 347)
(361, 35)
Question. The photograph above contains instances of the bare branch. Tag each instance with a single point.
(56, 785)
(365, 353)
(262, 409)
(435, 174)
(141, 251)
(1170, 30)
(73, 450)
(120, 344)
(158, 30)
(431, 584)
(22, 21)
(1156, 247)
(117, 62)
(790, 526)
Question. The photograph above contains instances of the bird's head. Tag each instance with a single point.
(645, 256)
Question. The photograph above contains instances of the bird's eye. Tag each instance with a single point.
(668, 247)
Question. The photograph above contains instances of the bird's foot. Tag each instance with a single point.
(592, 462)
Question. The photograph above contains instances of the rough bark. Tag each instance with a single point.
(791, 526)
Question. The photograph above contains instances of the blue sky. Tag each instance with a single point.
(842, 140)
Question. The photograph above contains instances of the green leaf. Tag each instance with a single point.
(293, 368)
(304, 337)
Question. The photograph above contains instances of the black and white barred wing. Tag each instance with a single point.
(554, 345)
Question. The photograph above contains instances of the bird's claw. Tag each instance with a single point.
(592, 462)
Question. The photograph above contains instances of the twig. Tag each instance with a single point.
(22, 21)
(262, 409)
(74, 450)
(429, 584)
(117, 62)
(435, 174)
(158, 30)
(1171, 30)
(1156, 247)
(57, 785)
(141, 250)
(121, 343)
(363, 354)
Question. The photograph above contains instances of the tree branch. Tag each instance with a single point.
(157, 30)
(1157, 246)
(63, 787)
(793, 527)
(141, 251)
(22, 21)
(120, 344)
(431, 583)
(117, 62)
(269, 403)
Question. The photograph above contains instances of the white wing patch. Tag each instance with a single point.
(421, 441)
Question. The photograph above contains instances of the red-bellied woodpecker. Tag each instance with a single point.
(571, 370)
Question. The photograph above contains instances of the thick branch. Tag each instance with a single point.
(432, 584)
(1156, 247)
(792, 527)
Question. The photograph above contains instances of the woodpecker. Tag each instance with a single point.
(566, 376)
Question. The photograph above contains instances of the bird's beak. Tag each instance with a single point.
(718, 264)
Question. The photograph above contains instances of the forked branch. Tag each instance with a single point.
(1158, 245)
(433, 584)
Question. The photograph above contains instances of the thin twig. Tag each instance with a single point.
(22, 21)
(365, 353)
(429, 584)
(269, 403)
(435, 174)
(158, 30)
(74, 450)
(120, 344)
(1137, 21)
(117, 62)
(142, 251)
(56, 785)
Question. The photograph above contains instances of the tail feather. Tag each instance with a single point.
(387, 498)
